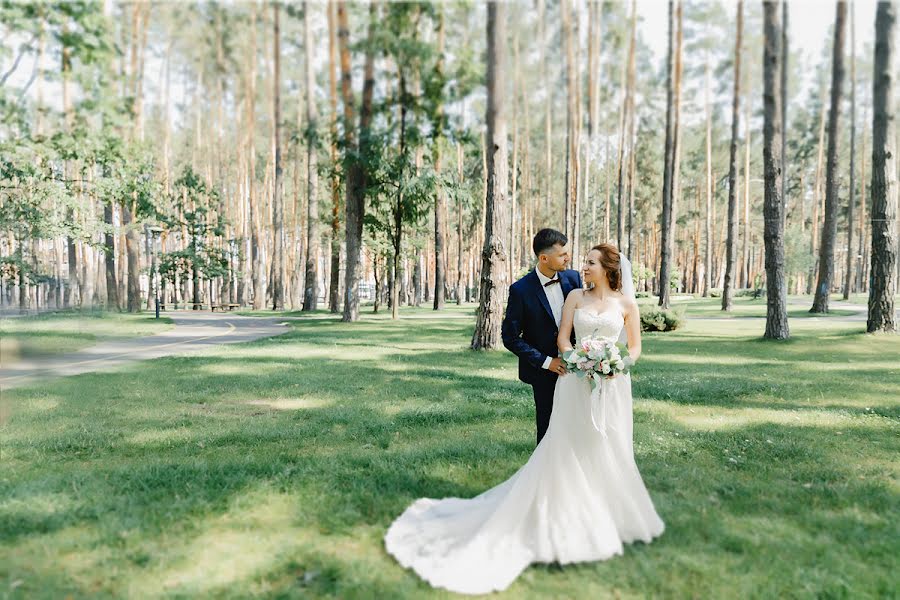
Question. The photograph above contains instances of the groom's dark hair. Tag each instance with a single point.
(546, 239)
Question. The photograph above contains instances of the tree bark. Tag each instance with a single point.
(776, 297)
(829, 226)
(440, 201)
(493, 285)
(570, 198)
(848, 270)
(356, 174)
(666, 218)
(708, 232)
(277, 198)
(112, 295)
(731, 240)
(459, 226)
(627, 102)
(334, 288)
(256, 258)
(311, 290)
(884, 174)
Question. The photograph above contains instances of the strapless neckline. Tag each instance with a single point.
(601, 313)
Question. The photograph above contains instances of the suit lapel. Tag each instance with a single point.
(566, 283)
(541, 295)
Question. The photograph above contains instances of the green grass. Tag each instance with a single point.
(745, 306)
(69, 331)
(272, 469)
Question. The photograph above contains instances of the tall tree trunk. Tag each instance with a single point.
(277, 198)
(514, 177)
(73, 285)
(132, 234)
(829, 226)
(459, 226)
(861, 282)
(776, 297)
(311, 291)
(708, 232)
(397, 234)
(440, 203)
(884, 174)
(543, 13)
(848, 267)
(785, 55)
(745, 253)
(570, 201)
(627, 102)
(334, 287)
(112, 296)
(667, 242)
(356, 174)
(731, 241)
(257, 267)
(817, 196)
(493, 268)
(848, 270)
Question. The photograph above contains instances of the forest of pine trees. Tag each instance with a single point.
(348, 156)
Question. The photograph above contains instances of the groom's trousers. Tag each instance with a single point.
(543, 403)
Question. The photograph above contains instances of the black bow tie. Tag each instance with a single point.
(551, 282)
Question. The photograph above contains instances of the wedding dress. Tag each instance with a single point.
(579, 497)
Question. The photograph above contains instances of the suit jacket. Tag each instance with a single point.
(529, 329)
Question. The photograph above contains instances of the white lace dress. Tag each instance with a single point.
(579, 497)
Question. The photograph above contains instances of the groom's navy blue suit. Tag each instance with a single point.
(529, 332)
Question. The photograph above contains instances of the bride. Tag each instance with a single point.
(579, 497)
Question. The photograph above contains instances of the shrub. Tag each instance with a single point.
(758, 292)
(642, 294)
(654, 318)
(715, 292)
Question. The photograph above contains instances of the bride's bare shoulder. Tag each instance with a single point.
(574, 297)
(627, 302)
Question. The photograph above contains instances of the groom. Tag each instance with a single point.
(532, 320)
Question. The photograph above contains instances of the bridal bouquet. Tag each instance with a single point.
(597, 358)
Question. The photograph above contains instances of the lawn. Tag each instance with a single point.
(745, 306)
(69, 331)
(272, 469)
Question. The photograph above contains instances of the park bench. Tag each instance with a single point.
(223, 307)
(175, 305)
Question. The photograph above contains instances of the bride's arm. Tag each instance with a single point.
(633, 329)
(564, 337)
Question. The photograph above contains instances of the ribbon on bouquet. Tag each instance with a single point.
(599, 400)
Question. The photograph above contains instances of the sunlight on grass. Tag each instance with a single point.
(718, 418)
(272, 468)
(228, 547)
(155, 437)
(291, 403)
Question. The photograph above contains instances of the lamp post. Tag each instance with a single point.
(155, 231)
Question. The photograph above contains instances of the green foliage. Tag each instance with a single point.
(756, 292)
(197, 210)
(654, 318)
(675, 280)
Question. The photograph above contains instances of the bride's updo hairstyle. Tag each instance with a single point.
(609, 258)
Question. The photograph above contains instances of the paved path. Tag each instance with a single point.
(193, 331)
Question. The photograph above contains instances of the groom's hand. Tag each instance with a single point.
(557, 366)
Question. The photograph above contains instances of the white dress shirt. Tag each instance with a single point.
(555, 298)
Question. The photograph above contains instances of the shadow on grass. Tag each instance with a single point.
(160, 447)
